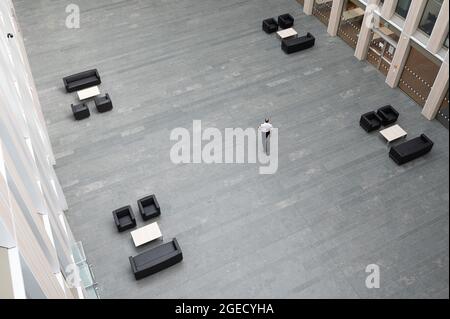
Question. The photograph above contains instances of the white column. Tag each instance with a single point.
(335, 17)
(440, 30)
(388, 9)
(308, 7)
(438, 92)
(11, 278)
(402, 50)
(364, 35)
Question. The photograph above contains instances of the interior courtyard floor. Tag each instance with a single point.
(337, 203)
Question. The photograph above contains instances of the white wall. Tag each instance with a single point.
(32, 204)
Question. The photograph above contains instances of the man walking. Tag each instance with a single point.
(265, 128)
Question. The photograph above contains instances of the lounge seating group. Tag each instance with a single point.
(401, 153)
(85, 84)
(292, 45)
(155, 259)
(410, 150)
(290, 42)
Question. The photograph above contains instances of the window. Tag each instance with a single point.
(430, 15)
(403, 8)
(446, 42)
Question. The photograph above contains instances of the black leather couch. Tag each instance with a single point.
(156, 259)
(387, 114)
(149, 207)
(285, 21)
(83, 80)
(410, 150)
(292, 45)
(103, 103)
(124, 218)
(370, 121)
(80, 111)
(270, 25)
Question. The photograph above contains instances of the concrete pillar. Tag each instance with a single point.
(12, 284)
(335, 17)
(388, 9)
(308, 7)
(414, 15)
(364, 35)
(438, 92)
(440, 30)
(403, 46)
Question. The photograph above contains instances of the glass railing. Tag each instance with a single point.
(86, 275)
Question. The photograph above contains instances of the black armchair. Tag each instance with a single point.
(285, 21)
(149, 207)
(270, 25)
(80, 111)
(387, 114)
(370, 121)
(124, 218)
(103, 103)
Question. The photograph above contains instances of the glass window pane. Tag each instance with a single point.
(446, 42)
(430, 15)
(403, 7)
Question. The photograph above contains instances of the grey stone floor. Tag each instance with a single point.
(337, 202)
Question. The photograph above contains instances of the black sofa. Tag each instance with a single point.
(270, 25)
(156, 259)
(292, 45)
(83, 80)
(124, 218)
(103, 103)
(149, 207)
(370, 121)
(80, 111)
(410, 150)
(388, 115)
(285, 21)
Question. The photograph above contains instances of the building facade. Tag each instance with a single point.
(405, 40)
(39, 258)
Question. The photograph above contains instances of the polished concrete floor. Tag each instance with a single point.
(337, 202)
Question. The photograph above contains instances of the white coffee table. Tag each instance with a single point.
(287, 33)
(146, 234)
(393, 133)
(88, 93)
